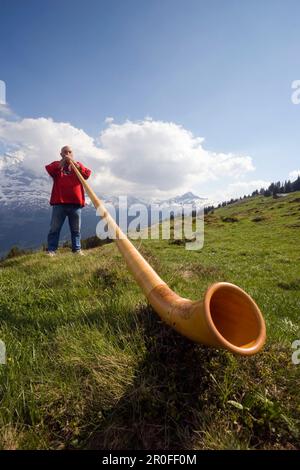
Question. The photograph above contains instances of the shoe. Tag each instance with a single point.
(78, 253)
(51, 253)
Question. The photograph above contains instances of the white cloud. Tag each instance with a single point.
(162, 156)
(235, 190)
(7, 112)
(40, 140)
(246, 187)
(293, 175)
(146, 158)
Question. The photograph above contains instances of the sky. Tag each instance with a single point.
(157, 97)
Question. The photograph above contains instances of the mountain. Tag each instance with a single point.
(184, 200)
(25, 212)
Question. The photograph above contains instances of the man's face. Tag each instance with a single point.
(67, 152)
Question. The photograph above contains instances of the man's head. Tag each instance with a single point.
(66, 151)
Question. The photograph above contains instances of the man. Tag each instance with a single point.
(67, 199)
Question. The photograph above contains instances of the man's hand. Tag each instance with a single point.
(77, 166)
(68, 159)
(64, 162)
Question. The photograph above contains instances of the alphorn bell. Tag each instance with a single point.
(227, 317)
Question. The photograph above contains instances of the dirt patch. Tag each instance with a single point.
(229, 219)
(202, 271)
(181, 242)
(187, 274)
(210, 220)
(297, 199)
(292, 285)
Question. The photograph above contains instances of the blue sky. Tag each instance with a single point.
(221, 69)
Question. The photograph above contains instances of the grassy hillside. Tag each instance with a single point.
(90, 365)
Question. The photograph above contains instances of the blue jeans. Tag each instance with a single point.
(59, 214)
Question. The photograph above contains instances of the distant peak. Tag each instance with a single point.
(189, 194)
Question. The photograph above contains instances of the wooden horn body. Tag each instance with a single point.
(227, 317)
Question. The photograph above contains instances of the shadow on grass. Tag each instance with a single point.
(158, 410)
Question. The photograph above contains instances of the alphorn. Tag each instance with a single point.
(227, 317)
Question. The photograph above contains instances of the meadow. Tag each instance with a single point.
(91, 366)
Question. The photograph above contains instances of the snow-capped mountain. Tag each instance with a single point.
(24, 206)
(20, 187)
(185, 199)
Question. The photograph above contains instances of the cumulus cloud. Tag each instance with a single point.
(145, 158)
(162, 156)
(293, 175)
(38, 141)
(239, 189)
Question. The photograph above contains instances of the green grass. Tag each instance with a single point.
(90, 365)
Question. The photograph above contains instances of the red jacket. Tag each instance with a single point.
(67, 188)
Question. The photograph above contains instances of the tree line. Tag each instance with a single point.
(279, 188)
(274, 190)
